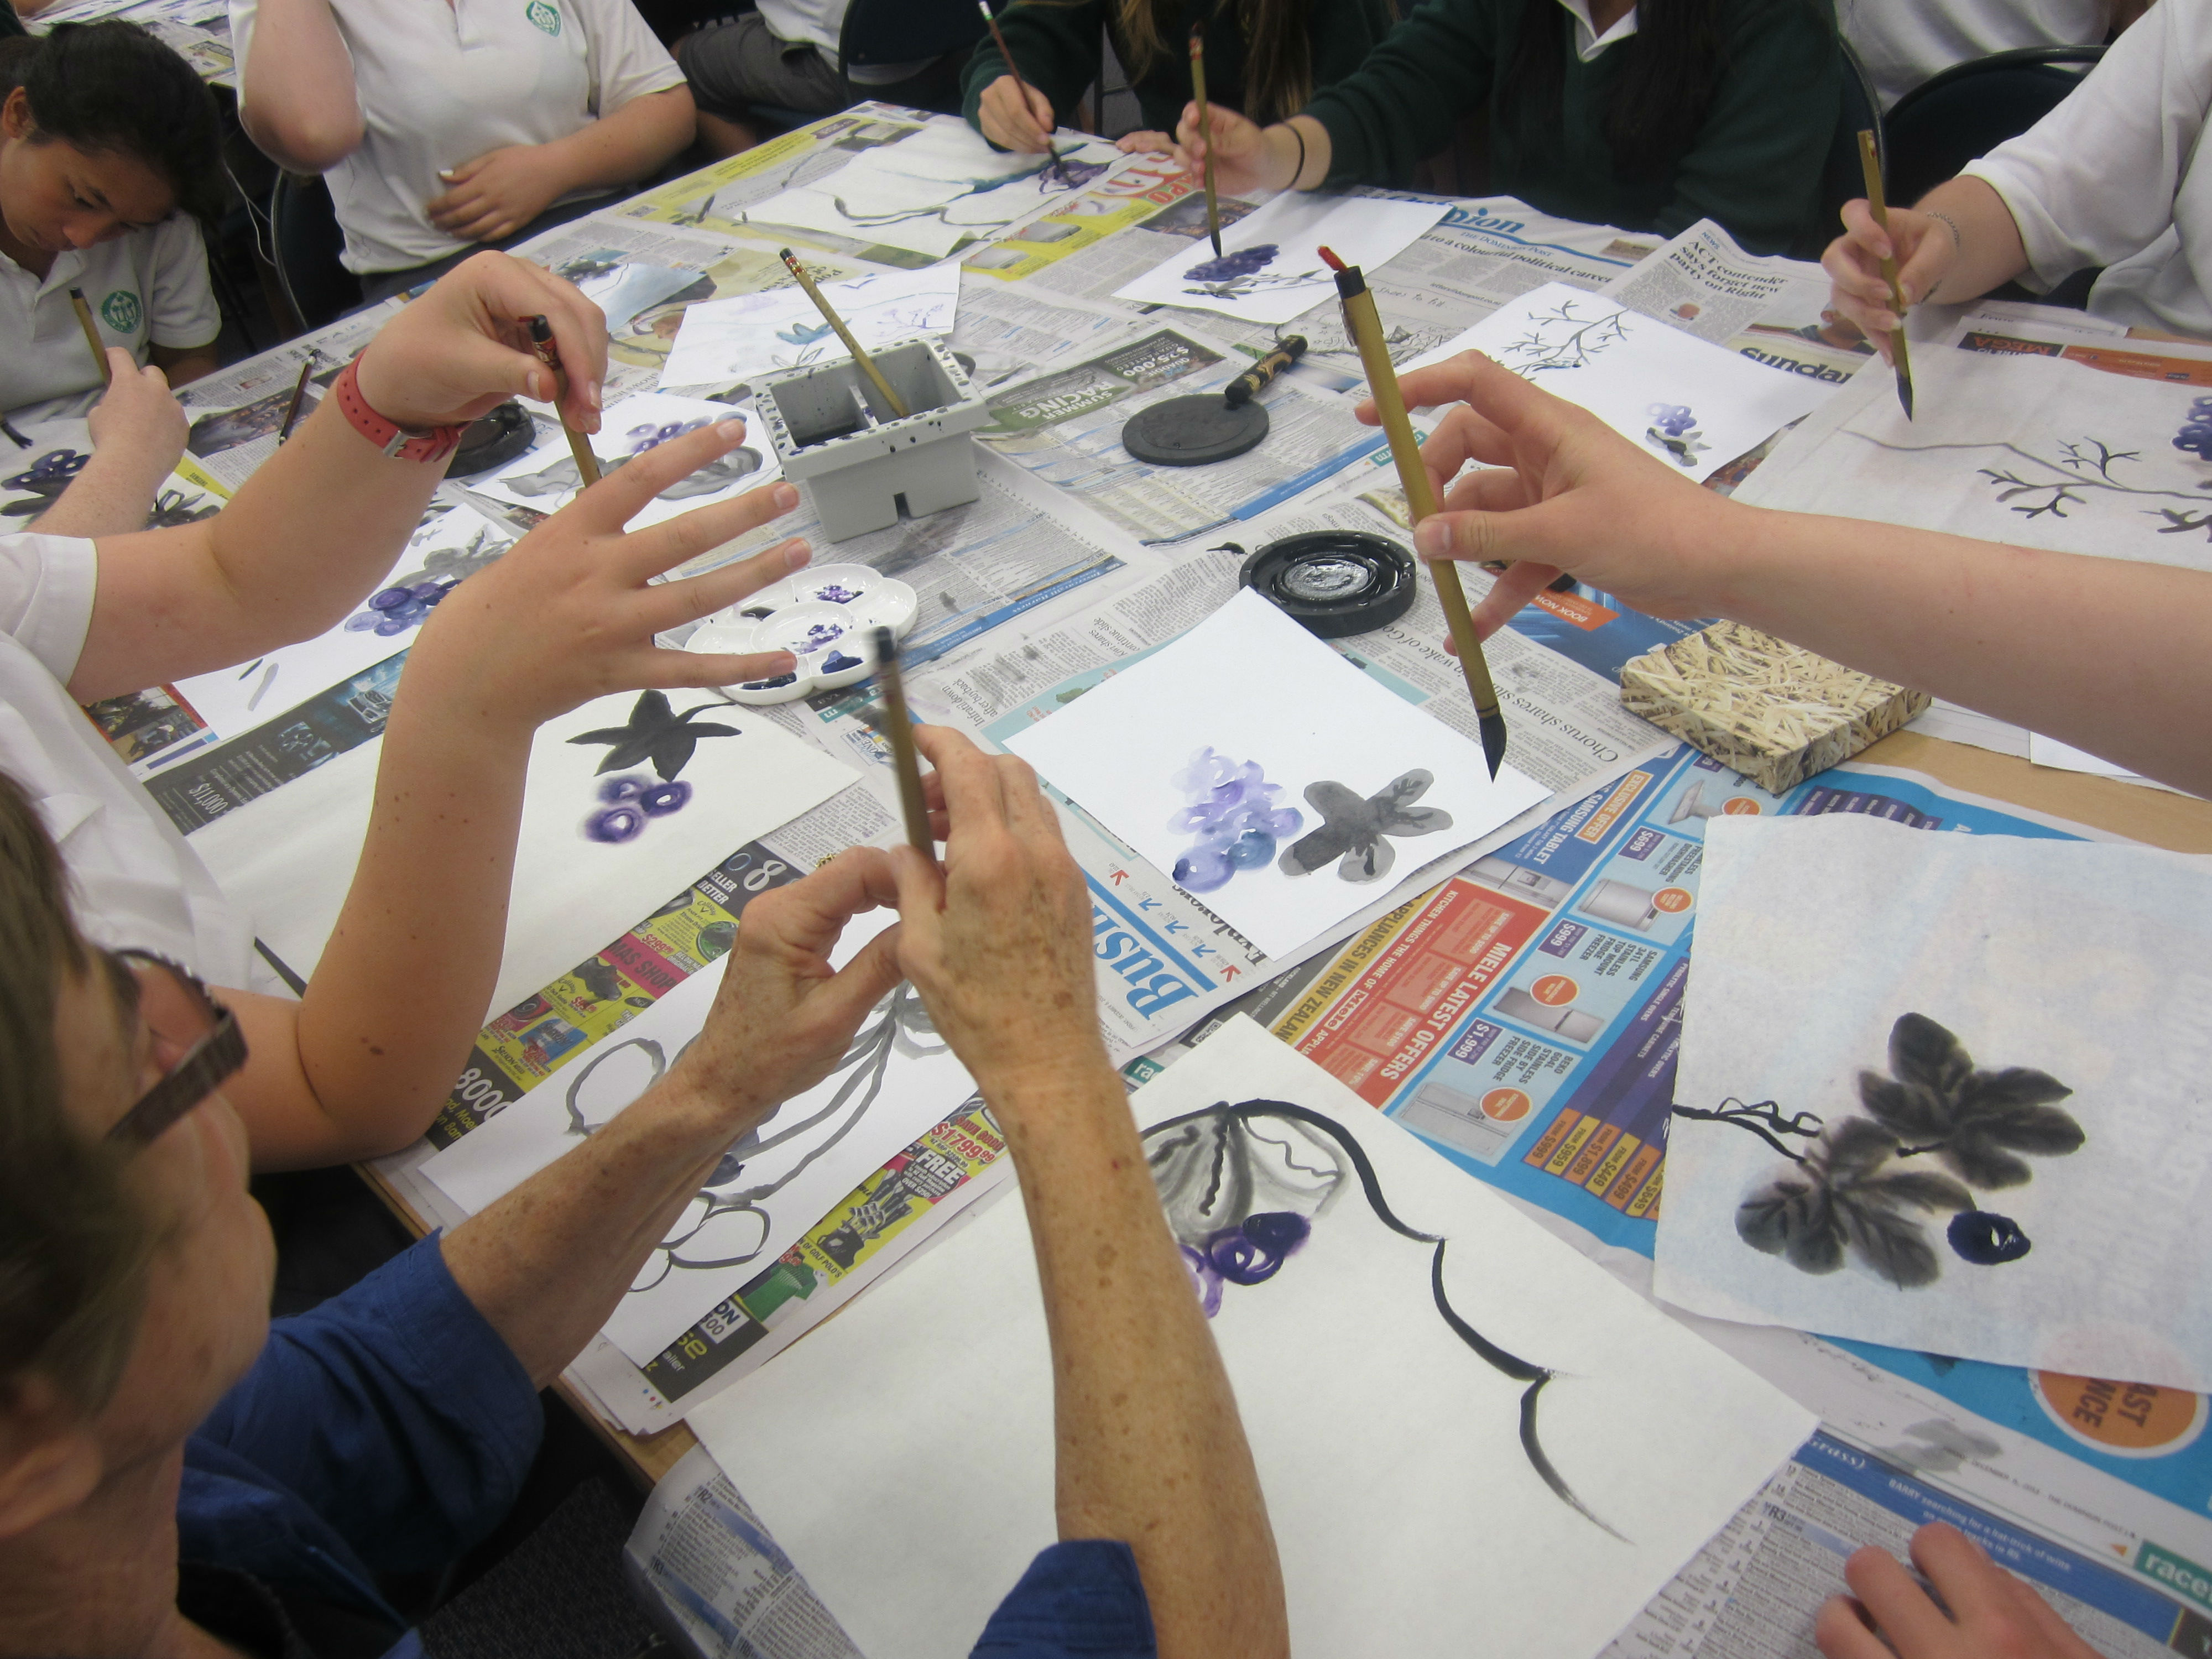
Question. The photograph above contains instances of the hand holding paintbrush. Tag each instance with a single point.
(1206, 134)
(1028, 99)
(1871, 166)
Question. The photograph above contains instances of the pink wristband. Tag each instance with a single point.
(435, 444)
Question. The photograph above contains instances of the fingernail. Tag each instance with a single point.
(1433, 538)
(786, 498)
(592, 394)
(537, 384)
(797, 555)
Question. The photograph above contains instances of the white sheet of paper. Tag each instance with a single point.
(937, 186)
(2048, 751)
(456, 542)
(724, 341)
(1270, 270)
(1252, 684)
(623, 290)
(2082, 961)
(289, 857)
(1698, 405)
(546, 478)
(812, 1151)
(2035, 451)
(1400, 1494)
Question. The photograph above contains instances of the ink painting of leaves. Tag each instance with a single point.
(1838, 1198)
(1848, 1197)
(1974, 1121)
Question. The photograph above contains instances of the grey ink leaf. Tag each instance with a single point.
(1975, 1120)
(1922, 1188)
(1890, 1243)
(655, 732)
(1792, 1216)
(1354, 831)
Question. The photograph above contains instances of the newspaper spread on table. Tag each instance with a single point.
(1516, 1004)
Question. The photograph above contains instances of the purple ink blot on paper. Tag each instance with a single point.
(2195, 434)
(1203, 1279)
(619, 790)
(1245, 262)
(1251, 1254)
(663, 798)
(615, 824)
(1231, 809)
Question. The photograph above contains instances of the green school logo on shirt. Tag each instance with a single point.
(122, 311)
(546, 17)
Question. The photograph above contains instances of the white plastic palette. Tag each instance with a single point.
(823, 616)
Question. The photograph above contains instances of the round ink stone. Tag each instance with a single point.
(1194, 431)
(1335, 582)
(491, 441)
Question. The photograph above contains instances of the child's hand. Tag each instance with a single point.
(488, 199)
(1924, 249)
(138, 418)
(1013, 122)
(1986, 1611)
(569, 614)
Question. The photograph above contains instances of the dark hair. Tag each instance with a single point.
(1278, 49)
(73, 1241)
(1670, 66)
(111, 89)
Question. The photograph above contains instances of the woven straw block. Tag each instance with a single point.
(1761, 707)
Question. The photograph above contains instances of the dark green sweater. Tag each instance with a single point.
(1057, 46)
(1755, 164)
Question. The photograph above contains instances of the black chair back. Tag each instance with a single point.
(1970, 108)
(1842, 176)
(877, 32)
(303, 225)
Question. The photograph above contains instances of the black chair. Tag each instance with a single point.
(303, 225)
(1842, 175)
(880, 32)
(1970, 108)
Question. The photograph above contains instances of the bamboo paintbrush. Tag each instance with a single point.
(829, 315)
(91, 335)
(1206, 133)
(549, 353)
(1872, 166)
(299, 392)
(898, 732)
(1365, 324)
(1058, 167)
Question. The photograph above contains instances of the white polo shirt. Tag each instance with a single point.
(133, 880)
(440, 84)
(2114, 177)
(1904, 42)
(148, 288)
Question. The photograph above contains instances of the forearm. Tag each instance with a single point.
(1296, 165)
(181, 367)
(2111, 655)
(1990, 250)
(297, 96)
(1149, 1448)
(627, 145)
(110, 497)
(405, 982)
(295, 551)
(547, 1264)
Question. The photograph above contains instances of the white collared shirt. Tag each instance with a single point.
(2116, 176)
(148, 288)
(134, 882)
(1588, 41)
(440, 85)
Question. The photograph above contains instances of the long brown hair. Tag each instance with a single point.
(1278, 53)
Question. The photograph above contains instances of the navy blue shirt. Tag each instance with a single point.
(390, 1429)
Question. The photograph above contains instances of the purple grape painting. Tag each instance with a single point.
(2195, 434)
(1230, 808)
(1247, 271)
(1245, 262)
(1674, 433)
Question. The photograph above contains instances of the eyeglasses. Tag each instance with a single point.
(196, 1040)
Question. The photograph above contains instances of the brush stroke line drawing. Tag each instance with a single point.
(1079, 175)
(1563, 338)
(707, 1237)
(1206, 1182)
(2079, 469)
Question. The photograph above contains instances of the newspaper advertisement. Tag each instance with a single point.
(700, 1561)
(1772, 310)
(1132, 196)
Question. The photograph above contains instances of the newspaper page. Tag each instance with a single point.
(1065, 428)
(1772, 310)
(237, 412)
(702, 1563)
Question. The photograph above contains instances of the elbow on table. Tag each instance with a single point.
(303, 140)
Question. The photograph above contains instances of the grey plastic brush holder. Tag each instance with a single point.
(857, 461)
